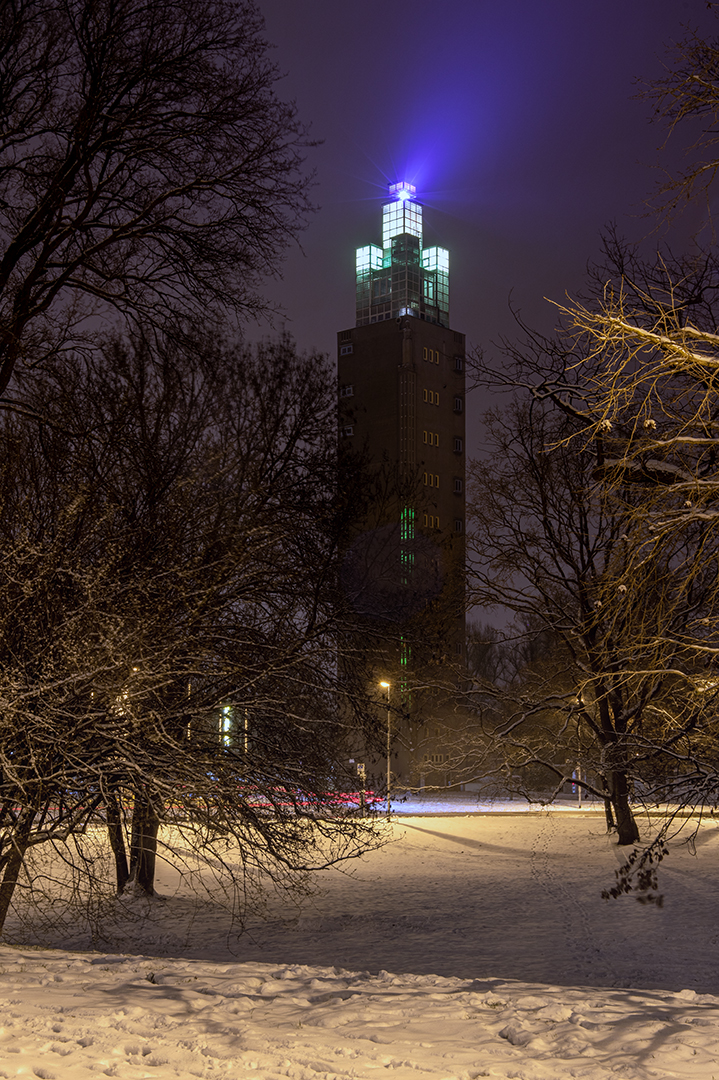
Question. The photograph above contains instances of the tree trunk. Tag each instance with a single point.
(609, 815)
(627, 831)
(143, 844)
(117, 841)
(13, 866)
(608, 812)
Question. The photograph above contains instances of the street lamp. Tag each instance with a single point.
(386, 685)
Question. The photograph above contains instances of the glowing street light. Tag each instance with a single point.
(386, 686)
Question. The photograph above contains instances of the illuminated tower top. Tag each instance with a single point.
(402, 277)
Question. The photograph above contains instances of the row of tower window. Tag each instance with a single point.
(431, 355)
(429, 437)
(404, 282)
(431, 521)
(432, 398)
(432, 480)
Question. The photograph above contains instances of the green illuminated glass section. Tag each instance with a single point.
(406, 523)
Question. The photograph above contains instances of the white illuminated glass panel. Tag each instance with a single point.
(368, 259)
(436, 258)
(226, 725)
(399, 218)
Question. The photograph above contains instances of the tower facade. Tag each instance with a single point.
(401, 402)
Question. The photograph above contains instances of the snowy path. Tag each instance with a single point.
(70, 1017)
(519, 970)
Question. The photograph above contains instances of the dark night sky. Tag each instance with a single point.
(516, 120)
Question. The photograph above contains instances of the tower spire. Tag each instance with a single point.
(401, 277)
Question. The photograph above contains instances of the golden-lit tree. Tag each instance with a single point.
(562, 540)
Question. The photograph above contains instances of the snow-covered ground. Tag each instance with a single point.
(470, 946)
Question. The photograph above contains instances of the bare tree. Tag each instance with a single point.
(172, 612)
(686, 104)
(617, 690)
(147, 168)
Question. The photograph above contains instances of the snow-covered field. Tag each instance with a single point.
(471, 946)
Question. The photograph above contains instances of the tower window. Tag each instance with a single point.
(459, 363)
(348, 430)
(458, 404)
(458, 525)
(458, 446)
(347, 391)
(458, 485)
(345, 350)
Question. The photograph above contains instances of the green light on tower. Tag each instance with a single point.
(406, 535)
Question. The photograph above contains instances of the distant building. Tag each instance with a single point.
(401, 392)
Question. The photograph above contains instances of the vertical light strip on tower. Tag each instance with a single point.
(406, 548)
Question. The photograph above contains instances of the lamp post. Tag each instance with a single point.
(386, 685)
